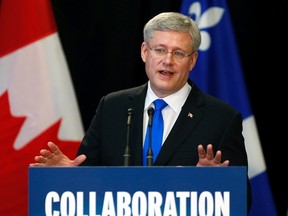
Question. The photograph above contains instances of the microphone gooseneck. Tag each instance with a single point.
(149, 157)
(127, 156)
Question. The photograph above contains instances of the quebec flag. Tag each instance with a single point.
(218, 72)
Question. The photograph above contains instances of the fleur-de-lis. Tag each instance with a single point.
(209, 18)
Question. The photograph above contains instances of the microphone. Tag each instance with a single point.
(127, 155)
(149, 157)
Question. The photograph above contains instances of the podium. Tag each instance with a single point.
(123, 191)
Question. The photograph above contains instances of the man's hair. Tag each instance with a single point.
(173, 21)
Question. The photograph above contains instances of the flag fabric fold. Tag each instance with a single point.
(37, 99)
(218, 71)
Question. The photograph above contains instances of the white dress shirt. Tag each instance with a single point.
(170, 113)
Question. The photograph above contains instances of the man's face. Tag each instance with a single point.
(168, 72)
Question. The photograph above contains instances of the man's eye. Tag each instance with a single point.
(160, 50)
(178, 54)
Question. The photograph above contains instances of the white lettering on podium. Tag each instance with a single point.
(67, 204)
(108, 205)
(154, 203)
(139, 203)
(50, 199)
(222, 203)
(183, 196)
(210, 207)
(123, 202)
(170, 204)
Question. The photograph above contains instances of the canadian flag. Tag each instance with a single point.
(37, 99)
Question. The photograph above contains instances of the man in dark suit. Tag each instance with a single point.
(199, 130)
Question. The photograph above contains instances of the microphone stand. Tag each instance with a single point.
(150, 156)
(127, 156)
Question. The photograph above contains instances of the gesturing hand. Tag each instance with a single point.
(55, 157)
(206, 157)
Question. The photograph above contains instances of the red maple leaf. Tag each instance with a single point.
(15, 163)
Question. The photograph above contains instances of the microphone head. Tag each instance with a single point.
(130, 111)
(150, 111)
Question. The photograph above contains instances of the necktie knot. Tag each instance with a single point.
(159, 104)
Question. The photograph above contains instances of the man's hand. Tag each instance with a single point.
(55, 157)
(206, 158)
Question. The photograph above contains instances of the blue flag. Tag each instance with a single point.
(218, 71)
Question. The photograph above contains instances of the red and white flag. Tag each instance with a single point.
(37, 99)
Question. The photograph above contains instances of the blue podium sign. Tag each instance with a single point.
(139, 191)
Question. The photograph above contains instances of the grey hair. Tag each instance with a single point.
(173, 21)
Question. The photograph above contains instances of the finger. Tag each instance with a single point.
(218, 156)
(45, 153)
(78, 160)
(209, 152)
(40, 159)
(225, 163)
(35, 165)
(201, 151)
(54, 148)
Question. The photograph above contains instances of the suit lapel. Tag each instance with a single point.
(189, 116)
(136, 101)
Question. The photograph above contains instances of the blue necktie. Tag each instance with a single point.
(157, 131)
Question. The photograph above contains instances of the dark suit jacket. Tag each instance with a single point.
(212, 121)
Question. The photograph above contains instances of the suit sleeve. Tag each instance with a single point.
(90, 145)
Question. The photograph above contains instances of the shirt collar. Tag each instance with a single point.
(175, 101)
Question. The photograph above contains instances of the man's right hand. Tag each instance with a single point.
(55, 157)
